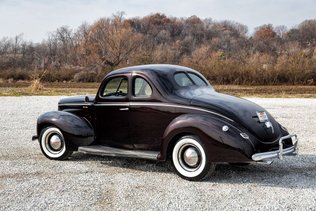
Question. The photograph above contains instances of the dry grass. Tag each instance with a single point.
(269, 91)
(36, 86)
(23, 88)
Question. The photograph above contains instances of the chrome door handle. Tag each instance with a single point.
(124, 109)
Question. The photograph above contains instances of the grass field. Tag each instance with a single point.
(23, 89)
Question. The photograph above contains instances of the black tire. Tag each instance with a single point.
(190, 160)
(53, 144)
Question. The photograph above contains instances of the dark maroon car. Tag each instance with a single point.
(163, 112)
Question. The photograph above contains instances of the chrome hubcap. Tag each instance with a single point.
(191, 157)
(55, 142)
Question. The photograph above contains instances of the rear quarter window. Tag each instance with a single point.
(197, 79)
(189, 79)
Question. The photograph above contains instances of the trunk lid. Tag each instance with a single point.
(241, 111)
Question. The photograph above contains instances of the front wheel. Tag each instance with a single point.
(190, 159)
(53, 144)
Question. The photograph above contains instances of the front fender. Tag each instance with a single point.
(75, 129)
(221, 146)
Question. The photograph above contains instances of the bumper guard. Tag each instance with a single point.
(269, 156)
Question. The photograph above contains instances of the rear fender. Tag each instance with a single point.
(222, 146)
(75, 129)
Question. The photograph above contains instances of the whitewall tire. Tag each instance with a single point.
(53, 144)
(190, 160)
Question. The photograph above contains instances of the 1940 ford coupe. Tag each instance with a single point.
(163, 112)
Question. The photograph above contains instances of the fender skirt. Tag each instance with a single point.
(75, 129)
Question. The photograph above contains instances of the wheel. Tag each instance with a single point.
(190, 159)
(53, 144)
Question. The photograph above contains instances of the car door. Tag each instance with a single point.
(112, 112)
(148, 117)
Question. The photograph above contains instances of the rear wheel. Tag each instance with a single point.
(53, 144)
(190, 159)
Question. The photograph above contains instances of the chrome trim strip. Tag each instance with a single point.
(290, 151)
(75, 104)
(148, 104)
(112, 104)
(111, 151)
(124, 109)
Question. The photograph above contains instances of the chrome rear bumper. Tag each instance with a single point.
(269, 156)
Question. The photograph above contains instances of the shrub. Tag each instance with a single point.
(85, 76)
(53, 75)
(15, 74)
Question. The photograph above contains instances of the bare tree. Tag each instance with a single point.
(113, 40)
(280, 31)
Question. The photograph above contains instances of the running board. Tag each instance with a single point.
(115, 152)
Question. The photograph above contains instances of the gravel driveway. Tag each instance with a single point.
(29, 181)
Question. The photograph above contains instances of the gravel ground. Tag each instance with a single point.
(29, 181)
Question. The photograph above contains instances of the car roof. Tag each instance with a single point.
(157, 68)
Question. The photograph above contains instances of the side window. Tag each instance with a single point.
(116, 87)
(141, 88)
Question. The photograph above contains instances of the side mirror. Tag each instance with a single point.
(86, 99)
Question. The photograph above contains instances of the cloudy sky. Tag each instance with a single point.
(36, 18)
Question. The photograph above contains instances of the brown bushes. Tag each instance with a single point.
(85, 76)
(59, 75)
(15, 74)
(258, 70)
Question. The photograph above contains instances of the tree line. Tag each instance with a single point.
(222, 50)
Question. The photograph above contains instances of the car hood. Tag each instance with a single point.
(241, 111)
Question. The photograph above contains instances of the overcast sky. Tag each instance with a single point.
(36, 18)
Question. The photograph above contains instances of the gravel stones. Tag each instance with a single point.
(30, 181)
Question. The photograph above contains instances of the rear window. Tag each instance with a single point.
(189, 79)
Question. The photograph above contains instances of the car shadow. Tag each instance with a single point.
(128, 163)
(292, 172)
